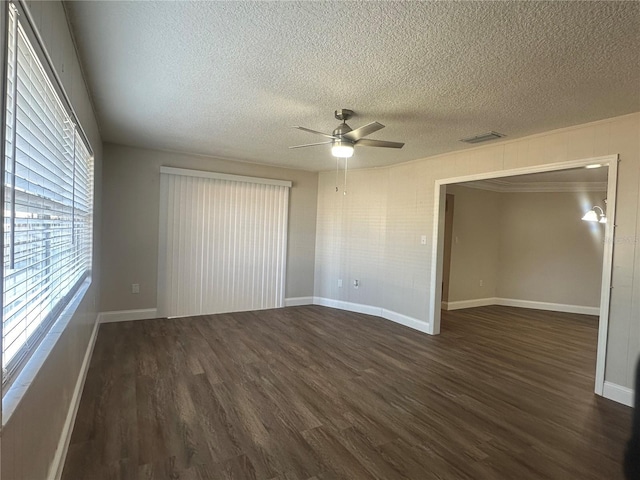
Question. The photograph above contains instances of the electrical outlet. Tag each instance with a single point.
(482, 283)
(423, 240)
(135, 288)
(356, 283)
(339, 283)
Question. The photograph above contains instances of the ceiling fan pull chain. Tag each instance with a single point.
(346, 166)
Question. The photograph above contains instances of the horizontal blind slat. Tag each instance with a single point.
(49, 212)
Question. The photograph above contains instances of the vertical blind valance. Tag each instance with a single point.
(223, 243)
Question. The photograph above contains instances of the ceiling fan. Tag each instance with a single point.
(343, 138)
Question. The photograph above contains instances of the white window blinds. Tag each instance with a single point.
(48, 202)
(223, 243)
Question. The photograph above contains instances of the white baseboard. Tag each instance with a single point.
(618, 393)
(406, 320)
(555, 307)
(128, 315)
(375, 311)
(512, 302)
(297, 301)
(55, 472)
(349, 306)
(476, 302)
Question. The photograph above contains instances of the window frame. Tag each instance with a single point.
(57, 319)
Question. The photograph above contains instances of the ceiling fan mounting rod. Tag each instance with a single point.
(343, 114)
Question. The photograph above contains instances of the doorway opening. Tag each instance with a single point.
(448, 245)
(440, 219)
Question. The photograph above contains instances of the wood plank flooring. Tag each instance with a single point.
(319, 394)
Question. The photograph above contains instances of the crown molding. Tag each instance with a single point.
(501, 186)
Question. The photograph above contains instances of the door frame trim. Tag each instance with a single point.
(435, 293)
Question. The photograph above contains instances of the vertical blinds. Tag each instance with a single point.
(222, 245)
(48, 202)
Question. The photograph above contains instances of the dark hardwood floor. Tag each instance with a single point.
(316, 393)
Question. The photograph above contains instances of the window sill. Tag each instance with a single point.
(12, 397)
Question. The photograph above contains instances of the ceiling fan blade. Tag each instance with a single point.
(313, 131)
(366, 142)
(358, 133)
(311, 144)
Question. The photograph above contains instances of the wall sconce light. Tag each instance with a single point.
(593, 216)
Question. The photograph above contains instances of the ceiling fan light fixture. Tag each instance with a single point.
(342, 149)
(344, 138)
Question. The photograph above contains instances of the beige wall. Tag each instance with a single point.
(31, 435)
(547, 253)
(526, 246)
(402, 210)
(360, 218)
(131, 188)
(475, 242)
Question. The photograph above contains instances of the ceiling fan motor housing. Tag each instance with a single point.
(341, 130)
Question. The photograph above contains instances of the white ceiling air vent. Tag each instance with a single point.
(483, 137)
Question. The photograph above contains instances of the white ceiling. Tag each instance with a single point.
(229, 79)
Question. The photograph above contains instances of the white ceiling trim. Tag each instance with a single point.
(536, 187)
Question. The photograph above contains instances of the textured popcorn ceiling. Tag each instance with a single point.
(229, 79)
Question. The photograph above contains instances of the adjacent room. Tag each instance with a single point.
(524, 241)
(319, 240)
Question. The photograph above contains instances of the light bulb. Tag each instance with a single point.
(342, 149)
(590, 216)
